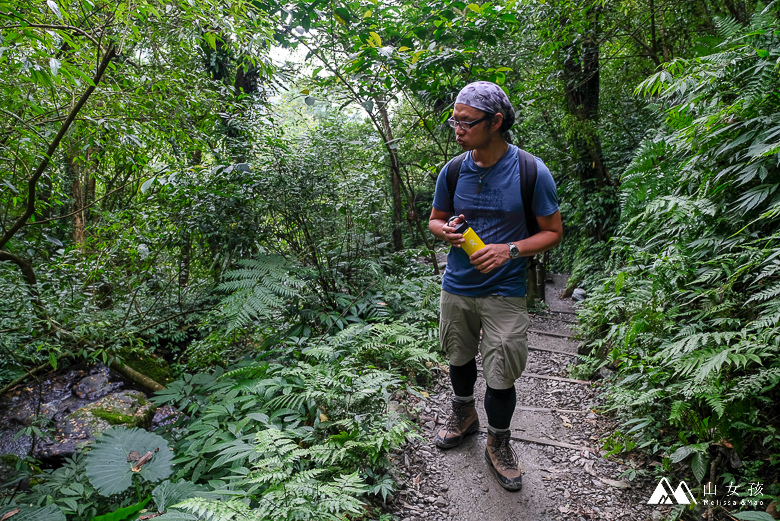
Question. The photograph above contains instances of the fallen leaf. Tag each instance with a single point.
(146, 458)
(614, 483)
(9, 514)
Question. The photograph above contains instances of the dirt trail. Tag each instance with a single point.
(555, 433)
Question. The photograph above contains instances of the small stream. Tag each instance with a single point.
(52, 397)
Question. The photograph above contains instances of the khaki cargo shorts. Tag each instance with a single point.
(504, 323)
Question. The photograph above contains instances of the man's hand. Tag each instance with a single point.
(490, 257)
(450, 236)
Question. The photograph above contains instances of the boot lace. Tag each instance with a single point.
(505, 454)
(455, 419)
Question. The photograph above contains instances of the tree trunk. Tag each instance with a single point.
(395, 176)
(136, 377)
(581, 70)
(737, 10)
(81, 171)
(186, 258)
(413, 217)
(73, 169)
(89, 196)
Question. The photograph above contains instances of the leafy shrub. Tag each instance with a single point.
(690, 314)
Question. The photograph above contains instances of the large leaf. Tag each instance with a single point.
(681, 453)
(168, 493)
(108, 469)
(753, 516)
(47, 513)
(699, 465)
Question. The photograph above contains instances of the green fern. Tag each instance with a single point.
(259, 289)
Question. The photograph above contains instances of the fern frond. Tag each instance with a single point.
(258, 289)
(209, 510)
(768, 294)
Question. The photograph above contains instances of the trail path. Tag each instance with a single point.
(556, 434)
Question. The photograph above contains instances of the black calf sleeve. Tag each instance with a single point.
(463, 378)
(499, 406)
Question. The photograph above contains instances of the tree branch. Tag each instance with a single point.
(56, 28)
(110, 53)
(90, 204)
(26, 269)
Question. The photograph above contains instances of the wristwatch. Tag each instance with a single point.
(514, 253)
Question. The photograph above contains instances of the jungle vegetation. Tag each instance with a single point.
(170, 187)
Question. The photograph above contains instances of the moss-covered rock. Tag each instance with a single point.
(130, 408)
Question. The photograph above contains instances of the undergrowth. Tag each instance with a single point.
(297, 427)
(690, 316)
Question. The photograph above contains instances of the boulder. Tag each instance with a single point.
(605, 373)
(129, 408)
(579, 295)
(97, 384)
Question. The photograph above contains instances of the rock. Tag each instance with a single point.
(579, 295)
(657, 515)
(605, 373)
(96, 385)
(164, 416)
(129, 408)
(396, 408)
(23, 413)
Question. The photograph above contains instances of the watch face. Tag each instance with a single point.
(513, 251)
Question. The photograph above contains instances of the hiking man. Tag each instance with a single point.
(485, 292)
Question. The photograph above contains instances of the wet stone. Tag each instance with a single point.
(128, 408)
(165, 415)
(96, 385)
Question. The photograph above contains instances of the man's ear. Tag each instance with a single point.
(498, 120)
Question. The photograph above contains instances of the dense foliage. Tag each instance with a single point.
(300, 433)
(690, 313)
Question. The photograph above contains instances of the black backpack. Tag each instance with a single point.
(527, 164)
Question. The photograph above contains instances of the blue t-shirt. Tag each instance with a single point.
(496, 215)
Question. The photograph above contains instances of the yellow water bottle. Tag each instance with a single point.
(473, 242)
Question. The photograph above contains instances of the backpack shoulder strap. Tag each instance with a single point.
(528, 173)
(453, 172)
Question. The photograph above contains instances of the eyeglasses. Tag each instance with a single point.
(466, 125)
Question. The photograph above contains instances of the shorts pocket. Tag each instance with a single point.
(456, 342)
(510, 361)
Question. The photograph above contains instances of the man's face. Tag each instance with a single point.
(477, 136)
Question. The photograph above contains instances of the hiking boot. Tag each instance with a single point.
(462, 422)
(502, 460)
